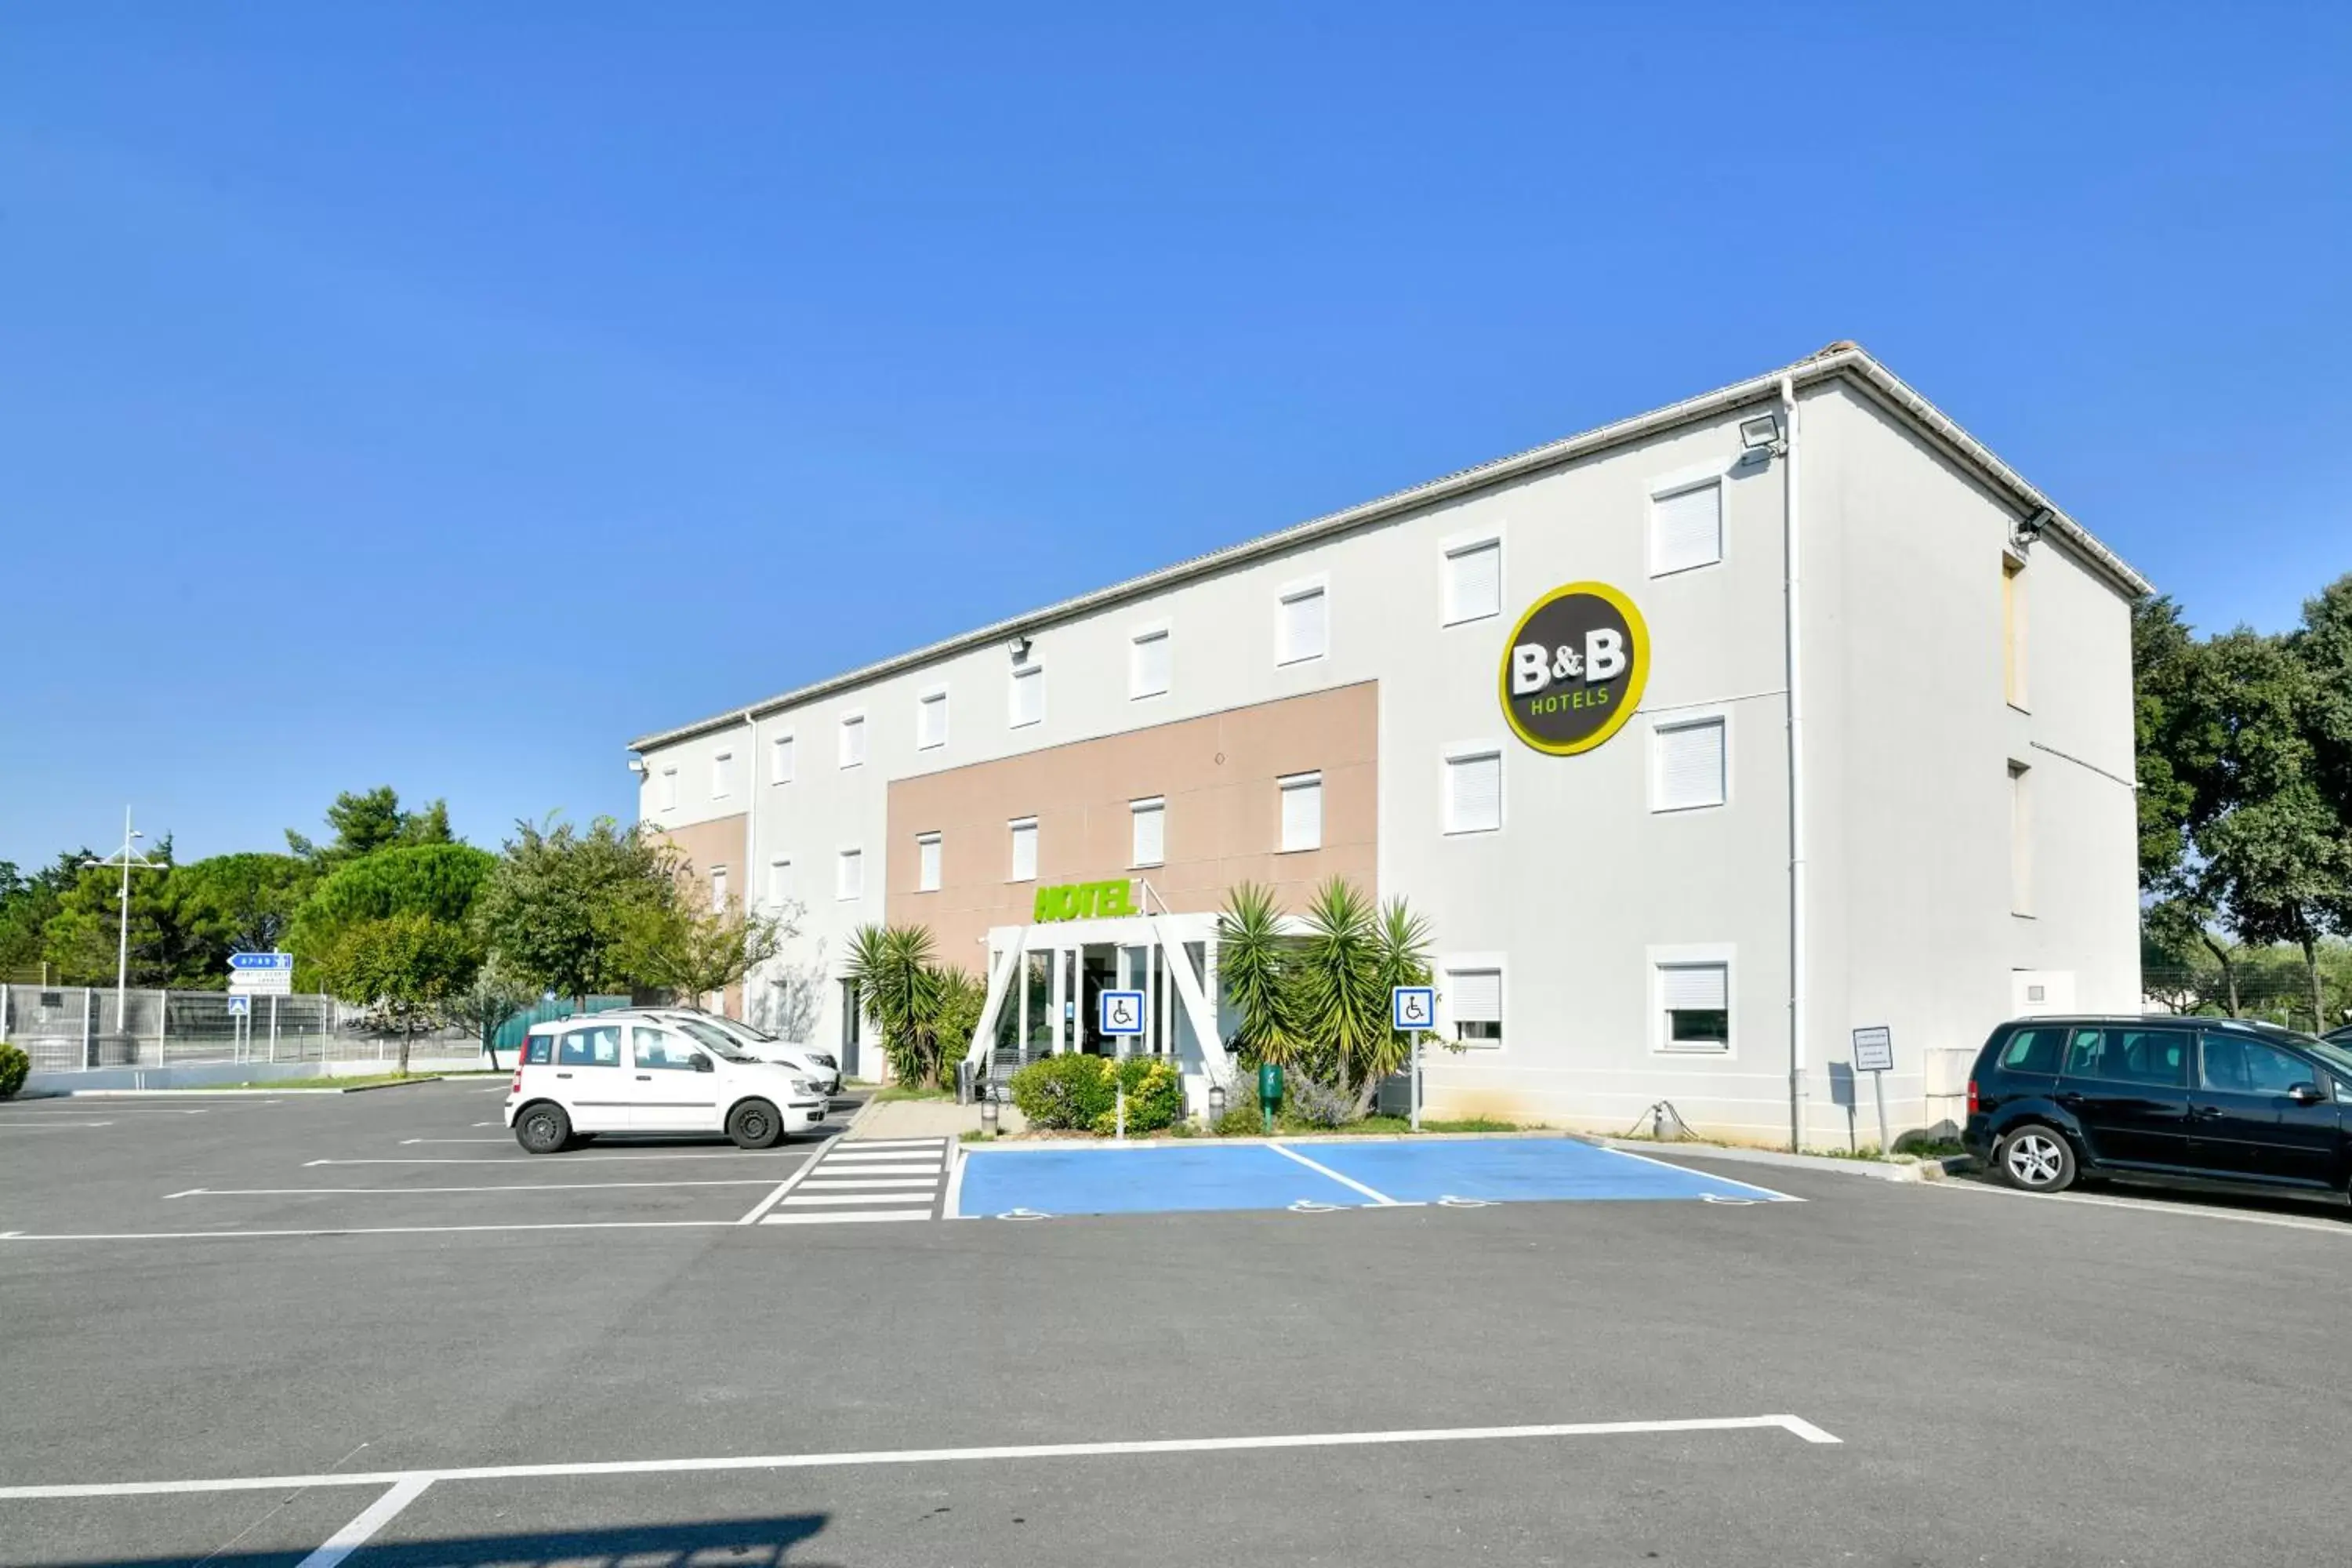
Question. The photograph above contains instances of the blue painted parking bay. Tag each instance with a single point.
(1164, 1178)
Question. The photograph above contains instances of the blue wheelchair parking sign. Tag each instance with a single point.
(1120, 1012)
(1413, 1007)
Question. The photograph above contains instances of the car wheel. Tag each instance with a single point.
(544, 1129)
(2035, 1159)
(754, 1124)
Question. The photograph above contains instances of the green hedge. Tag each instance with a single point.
(13, 1065)
(1079, 1093)
(1064, 1093)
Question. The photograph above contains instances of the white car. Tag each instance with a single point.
(819, 1067)
(597, 1074)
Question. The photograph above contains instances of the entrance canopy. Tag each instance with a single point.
(1044, 979)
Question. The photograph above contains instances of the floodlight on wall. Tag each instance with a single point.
(638, 766)
(1762, 433)
(1018, 646)
(2033, 528)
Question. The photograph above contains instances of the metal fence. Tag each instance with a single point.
(63, 1028)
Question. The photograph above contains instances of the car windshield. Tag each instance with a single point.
(716, 1040)
(2336, 1054)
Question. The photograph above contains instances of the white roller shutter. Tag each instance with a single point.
(1024, 851)
(931, 720)
(1474, 793)
(1148, 665)
(1475, 995)
(780, 759)
(1473, 582)
(1687, 530)
(1695, 987)
(1302, 811)
(1304, 630)
(927, 863)
(1151, 819)
(1028, 696)
(1690, 765)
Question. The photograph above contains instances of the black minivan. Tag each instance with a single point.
(2054, 1101)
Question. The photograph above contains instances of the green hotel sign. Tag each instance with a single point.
(1082, 900)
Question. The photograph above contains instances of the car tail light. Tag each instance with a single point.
(516, 1087)
(1972, 1093)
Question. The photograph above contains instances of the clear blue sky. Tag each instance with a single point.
(428, 395)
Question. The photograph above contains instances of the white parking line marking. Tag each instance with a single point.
(47, 1125)
(1710, 1175)
(2332, 1227)
(405, 1141)
(880, 1156)
(490, 1124)
(1380, 1198)
(812, 1200)
(1797, 1425)
(832, 1168)
(30, 1114)
(871, 1184)
(850, 1144)
(849, 1216)
(520, 1158)
(374, 1517)
(759, 1210)
(402, 1192)
(369, 1230)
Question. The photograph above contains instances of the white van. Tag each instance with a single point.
(581, 1077)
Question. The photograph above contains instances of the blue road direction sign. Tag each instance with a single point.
(1120, 1012)
(261, 961)
(1413, 1007)
(240, 1006)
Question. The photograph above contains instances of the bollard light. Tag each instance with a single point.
(988, 1113)
(1216, 1102)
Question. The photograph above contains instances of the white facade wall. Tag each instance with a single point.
(1585, 886)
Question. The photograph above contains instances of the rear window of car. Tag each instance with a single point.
(2033, 1051)
(599, 1046)
(539, 1049)
(2158, 1058)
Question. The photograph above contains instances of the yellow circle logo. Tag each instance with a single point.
(1574, 668)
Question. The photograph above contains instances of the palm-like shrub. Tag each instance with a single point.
(925, 1012)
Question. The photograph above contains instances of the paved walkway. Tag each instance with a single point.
(895, 1119)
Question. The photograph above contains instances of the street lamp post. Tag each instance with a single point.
(127, 858)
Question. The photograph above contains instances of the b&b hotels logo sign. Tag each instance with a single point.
(1574, 668)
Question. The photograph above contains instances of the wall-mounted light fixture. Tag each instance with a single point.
(638, 766)
(1762, 433)
(1018, 648)
(2024, 533)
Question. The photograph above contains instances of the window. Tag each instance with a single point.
(1027, 703)
(719, 888)
(849, 875)
(599, 1046)
(932, 720)
(669, 789)
(1147, 664)
(1687, 770)
(537, 1050)
(1686, 528)
(2158, 1058)
(2012, 630)
(1696, 999)
(1025, 849)
(2033, 1051)
(780, 759)
(1302, 627)
(2020, 839)
(780, 882)
(927, 862)
(1302, 811)
(1473, 582)
(853, 740)
(661, 1051)
(722, 775)
(1474, 793)
(1149, 821)
(1473, 998)
(2234, 1066)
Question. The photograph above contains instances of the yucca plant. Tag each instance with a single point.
(898, 991)
(1400, 957)
(1338, 1004)
(1253, 961)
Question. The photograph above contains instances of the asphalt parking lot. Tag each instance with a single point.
(1879, 1373)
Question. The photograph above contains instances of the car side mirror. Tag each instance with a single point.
(2307, 1094)
(702, 1063)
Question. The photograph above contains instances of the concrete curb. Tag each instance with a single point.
(1922, 1170)
(1206, 1139)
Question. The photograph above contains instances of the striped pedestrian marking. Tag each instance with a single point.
(861, 1182)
